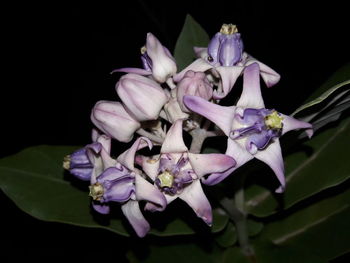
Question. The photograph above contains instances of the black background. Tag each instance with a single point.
(56, 64)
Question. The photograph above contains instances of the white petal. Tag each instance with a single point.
(194, 196)
(173, 142)
(272, 156)
(251, 95)
(198, 65)
(290, 123)
(229, 77)
(132, 212)
(127, 158)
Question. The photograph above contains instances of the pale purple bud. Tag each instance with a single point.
(143, 97)
(162, 63)
(112, 119)
(226, 47)
(196, 84)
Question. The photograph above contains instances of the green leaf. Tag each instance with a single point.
(228, 237)
(321, 227)
(177, 250)
(320, 164)
(34, 179)
(339, 79)
(192, 34)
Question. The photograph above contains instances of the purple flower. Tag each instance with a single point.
(143, 97)
(112, 119)
(123, 183)
(194, 83)
(177, 172)
(91, 160)
(226, 59)
(253, 131)
(156, 60)
(226, 47)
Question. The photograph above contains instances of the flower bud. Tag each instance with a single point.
(196, 84)
(226, 47)
(143, 97)
(112, 119)
(159, 59)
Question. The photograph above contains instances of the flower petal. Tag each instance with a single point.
(194, 196)
(138, 71)
(228, 76)
(251, 95)
(132, 212)
(163, 64)
(201, 52)
(101, 207)
(173, 142)
(290, 123)
(127, 158)
(150, 166)
(272, 156)
(203, 164)
(150, 193)
(198, 65)
(269, 76)
(220, 115)
(239, 154)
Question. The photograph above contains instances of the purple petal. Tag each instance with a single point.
(100, 207)
(239, 154)
(194, 196)
(132, 212)
(149, 192)
(138, 71)
(251, 95)
(290, 123)
(127, 158)
(204, 164)
(220, 115)
(272, 156)
(199, 65)
(229, 77)
(173, 142)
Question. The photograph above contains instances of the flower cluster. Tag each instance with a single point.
(158, 104)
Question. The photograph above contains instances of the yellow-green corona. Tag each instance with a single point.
(274, 121)
(166, 179)
(66, 162)
(96, 191)
(228, 29)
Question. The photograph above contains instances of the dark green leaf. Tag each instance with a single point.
(339, 79)
(227, 237)
(192, 34)
(34, 180)
(321, 227)
(322, 163)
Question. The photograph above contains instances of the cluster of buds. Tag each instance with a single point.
(158, 104)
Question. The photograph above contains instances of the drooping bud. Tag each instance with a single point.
(196, 84)
(80, 163)
(158, 59)
(226, 47)
(143, 97)
(112, 119)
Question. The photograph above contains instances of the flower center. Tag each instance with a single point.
(228, 29)
(274, 121)
(166, 179)
(96, 191)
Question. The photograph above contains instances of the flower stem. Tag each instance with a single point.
(198, 137)
(235, 210)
